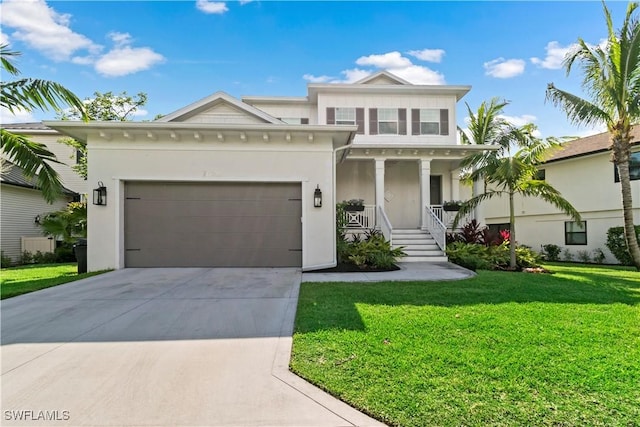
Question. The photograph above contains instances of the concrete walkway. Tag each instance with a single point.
(409, 271)
(161, 347)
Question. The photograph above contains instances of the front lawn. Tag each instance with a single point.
(28, 278)
(498, 349)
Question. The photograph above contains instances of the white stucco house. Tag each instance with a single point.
(232, 182)
(583, 173)
(22, 202)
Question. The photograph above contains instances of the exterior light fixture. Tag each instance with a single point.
(36, 220)
(317, 197)
(100, 194)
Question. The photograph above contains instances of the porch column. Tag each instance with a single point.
(455, 184)
(425, 190)
(379, 189)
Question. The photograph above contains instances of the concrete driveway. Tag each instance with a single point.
(162, 347)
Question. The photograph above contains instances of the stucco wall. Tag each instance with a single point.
(117, 161)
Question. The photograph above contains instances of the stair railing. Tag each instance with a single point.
(436, 228)
(385, 225)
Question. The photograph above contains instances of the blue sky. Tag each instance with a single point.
(180, 51)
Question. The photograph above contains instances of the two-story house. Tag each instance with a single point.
(254, 182)
(583, 173)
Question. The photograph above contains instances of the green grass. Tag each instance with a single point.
(21, 280)
(500, 349)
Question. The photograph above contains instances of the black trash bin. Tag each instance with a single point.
(80, 250)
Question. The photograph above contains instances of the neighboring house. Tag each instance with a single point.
(21, 209)
(68, 156)
(228, 182)
(583, 173)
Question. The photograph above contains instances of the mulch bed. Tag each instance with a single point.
(352, 268)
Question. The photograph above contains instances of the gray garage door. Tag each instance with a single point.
(169, 224)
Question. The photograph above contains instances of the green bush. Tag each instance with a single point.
(584, 256)
(476, 256)
(26, 258)
(372, 252)
(44, 258)
(5, 260)
(64, 253)
(551, 252)
(618, 245)
(567, 255)
(598, 256)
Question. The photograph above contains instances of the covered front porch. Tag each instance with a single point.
(403, 190)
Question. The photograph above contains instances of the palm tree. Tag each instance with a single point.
(508, 173)
(27, 95)
(612, 80)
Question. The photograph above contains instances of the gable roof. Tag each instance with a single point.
(385, 76)
(12, 174)
(589, 145)
(212, 101)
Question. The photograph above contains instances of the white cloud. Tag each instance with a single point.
(386, 60)
(555, 56)
(501, 68)
(519, 120)
(18, 116)
(393, 62)
(429, 55)
(120, 39)
(243, 2)
(419, 75)
(4, 39)
(316, 79)
(123, 60)
(43, 29)
(212, 7)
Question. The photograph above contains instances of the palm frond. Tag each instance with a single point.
(30, 94)
(578, 110)
(5, 59)
(546, 192)
(472, 203)
(34, 159)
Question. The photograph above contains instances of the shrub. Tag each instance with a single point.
(551, 252)
(44, 258)
(567, 255)
(5, 260)
(476, 256)
(26, 258)
(618, 245)
(64, 253)
(598, 256)
(472, 232)
(584, 256)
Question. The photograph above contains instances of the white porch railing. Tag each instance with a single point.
(446, 217)
(436, 228)
(385, 225)
(365, 219)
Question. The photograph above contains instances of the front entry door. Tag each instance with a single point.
(436, 189)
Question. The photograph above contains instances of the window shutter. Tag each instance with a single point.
(444, 122)
(402, 121)
(331, 116)
(304, 121)
(373, 121)
(415, 121)
(360, 120)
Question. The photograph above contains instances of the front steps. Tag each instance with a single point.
(418, 245)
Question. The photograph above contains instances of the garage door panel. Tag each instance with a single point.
(213, 224)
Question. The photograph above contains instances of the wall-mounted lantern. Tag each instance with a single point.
(37, 219)
(317, 197)
(100, 194)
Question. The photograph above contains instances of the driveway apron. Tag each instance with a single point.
(161, 347)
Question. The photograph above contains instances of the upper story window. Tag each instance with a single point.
(388, 121)
(541, 175)
(634, 168)
(295, 120)
(346, 116)
(429, 121)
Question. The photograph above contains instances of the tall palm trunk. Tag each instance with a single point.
(512, 231)
(621, 155)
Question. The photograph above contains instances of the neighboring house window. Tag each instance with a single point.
(346, 116)
(575, 234)
(541, 175)
(634, 168)
(387, 121)
(497, 228)
(429, 121)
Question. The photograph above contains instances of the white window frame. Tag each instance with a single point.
(388, 120)
(344, 114)
(423, 119)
